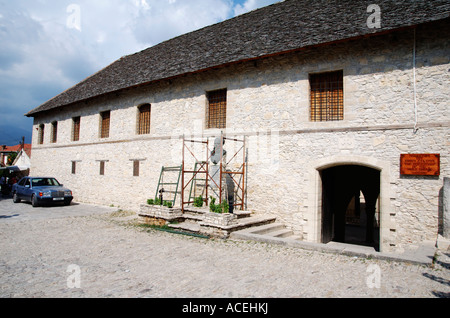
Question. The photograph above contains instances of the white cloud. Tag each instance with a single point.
(250, 5)
(166, 19)
(47, 46)
(60, 40)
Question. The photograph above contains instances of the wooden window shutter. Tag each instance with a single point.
(144, 119)
(76, 128)
(327, 96)
(105, 124)
(217, 110)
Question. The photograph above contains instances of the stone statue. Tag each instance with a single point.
(215, 153)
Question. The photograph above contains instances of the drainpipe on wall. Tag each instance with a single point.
(446, 208)
(415, 88)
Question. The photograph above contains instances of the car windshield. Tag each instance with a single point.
(45, 182)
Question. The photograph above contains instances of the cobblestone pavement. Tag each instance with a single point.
(107, 255)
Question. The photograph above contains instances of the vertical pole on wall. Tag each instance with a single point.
(246, 175)
(446, 208)
(207, 171)
(182, 178)
(243, 174)
(415, 83)
(221, 167)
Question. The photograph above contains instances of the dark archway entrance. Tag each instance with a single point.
(349, 205)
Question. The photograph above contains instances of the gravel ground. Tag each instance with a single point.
(114, 257)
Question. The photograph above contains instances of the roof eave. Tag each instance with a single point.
(36, 112)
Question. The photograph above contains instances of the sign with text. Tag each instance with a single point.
(420, 164)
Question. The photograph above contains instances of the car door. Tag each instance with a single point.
(20, 187)
(27, 190)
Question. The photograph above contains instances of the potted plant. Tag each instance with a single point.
(219, 208)
(198, 202)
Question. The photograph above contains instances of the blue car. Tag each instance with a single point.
(41, 191)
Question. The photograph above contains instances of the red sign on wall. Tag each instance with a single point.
(420, 164)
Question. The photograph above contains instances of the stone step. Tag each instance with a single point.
(254, 221)
(265, 232)
(193, 216)
(199, 216)
(242, 214)
(281, 233)
(191, 225)
(192, 211)
(186, 226)
(265, 229)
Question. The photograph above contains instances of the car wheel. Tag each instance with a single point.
(34, 201)
(67, 202)
(16, 198)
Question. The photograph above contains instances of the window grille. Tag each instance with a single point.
(144, 119)
(327, 96)
(217, 110)
(76, 128)
(105, 124)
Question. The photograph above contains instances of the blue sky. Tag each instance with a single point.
(47, 46)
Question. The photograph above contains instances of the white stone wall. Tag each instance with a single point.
(268, 102)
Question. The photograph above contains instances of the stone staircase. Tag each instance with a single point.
(201, 221)
(266, 232)
(245, 226)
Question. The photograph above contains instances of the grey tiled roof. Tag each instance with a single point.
(278, 28)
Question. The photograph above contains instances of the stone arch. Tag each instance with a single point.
(342, 221)
(314, 212)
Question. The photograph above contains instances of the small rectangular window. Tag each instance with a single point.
(54, 132)
(217, 109)
(105, 118)
(41, 134)
(144, 119)
(136, 164)
(74, 167)
(76, 125)
(327, 96)
(102, 168)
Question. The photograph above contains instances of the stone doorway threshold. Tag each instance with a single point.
(422, 255)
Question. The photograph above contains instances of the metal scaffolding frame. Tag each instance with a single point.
(237, 177)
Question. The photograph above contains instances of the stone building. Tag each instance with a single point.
(329, 96)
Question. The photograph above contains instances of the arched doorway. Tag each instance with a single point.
(350, 212)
